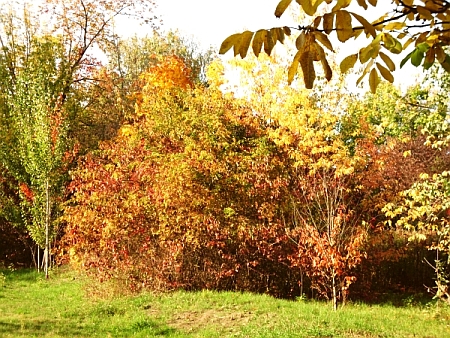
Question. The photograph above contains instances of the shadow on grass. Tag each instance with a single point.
(22, 275)
(39, 328)
(152, 327)
(400, 300)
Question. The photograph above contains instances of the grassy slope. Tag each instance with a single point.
(33, 307)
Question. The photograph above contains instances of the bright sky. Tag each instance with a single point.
(209, 22)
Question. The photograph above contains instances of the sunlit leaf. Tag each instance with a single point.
(317, 22)
(269, 42)
(369, 52)
(368, 27)
(244, 44)
(328, 20)
(374, 80)
(429, 58)
(309, 6)
(417, 57)
(385, 73)
(280, 34)
(293, 68)
(424, 13)
(396, 25)
(341, 4)
(300, 41)
(362, 3)
(365, 71)
(406, 58)
(281, 7)
(407, 43)
(258, 41)
(326, 68)
(387, 60)
(323, 39)
(348, 63)
(229, 42)
(344, 29)
(287, 30)
(307, 64)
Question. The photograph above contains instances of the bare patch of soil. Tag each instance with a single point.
(220, 319)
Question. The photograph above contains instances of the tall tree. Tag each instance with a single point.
(324, 219)
(42, 69)
(34, 139)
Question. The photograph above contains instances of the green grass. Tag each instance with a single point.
(31, 306)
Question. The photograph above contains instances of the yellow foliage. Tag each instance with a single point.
(429, 39)
(171, 73)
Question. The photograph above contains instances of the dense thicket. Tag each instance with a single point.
(158, 173)
(200, 190)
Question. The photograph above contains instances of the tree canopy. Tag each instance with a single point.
(422, 24)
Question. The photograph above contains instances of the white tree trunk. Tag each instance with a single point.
(47, 226)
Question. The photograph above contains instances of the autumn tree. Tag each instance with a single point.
(198, 180)
(42, 68)
(422, 207)
(422, 24)
(110, 100)
(133, 56)
(328, 224)
(323, 218)
(35, 131)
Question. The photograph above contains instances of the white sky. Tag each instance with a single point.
(209, 22)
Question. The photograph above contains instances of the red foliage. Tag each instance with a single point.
(26, 190)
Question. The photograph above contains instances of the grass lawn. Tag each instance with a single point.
(66, 306)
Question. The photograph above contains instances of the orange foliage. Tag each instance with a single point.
(172, 72)
(26, 190)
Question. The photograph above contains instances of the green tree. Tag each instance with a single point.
(44, 68)
(37, 126)
(423, 207)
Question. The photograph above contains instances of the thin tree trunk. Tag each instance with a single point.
(334, 293)
(301, 282)
(47, 220)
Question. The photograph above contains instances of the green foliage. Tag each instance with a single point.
(2, 280)
(421, 208)
(45, 78)
(388, 114)
(38, 132)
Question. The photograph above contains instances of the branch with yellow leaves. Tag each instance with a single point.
(387, 33)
